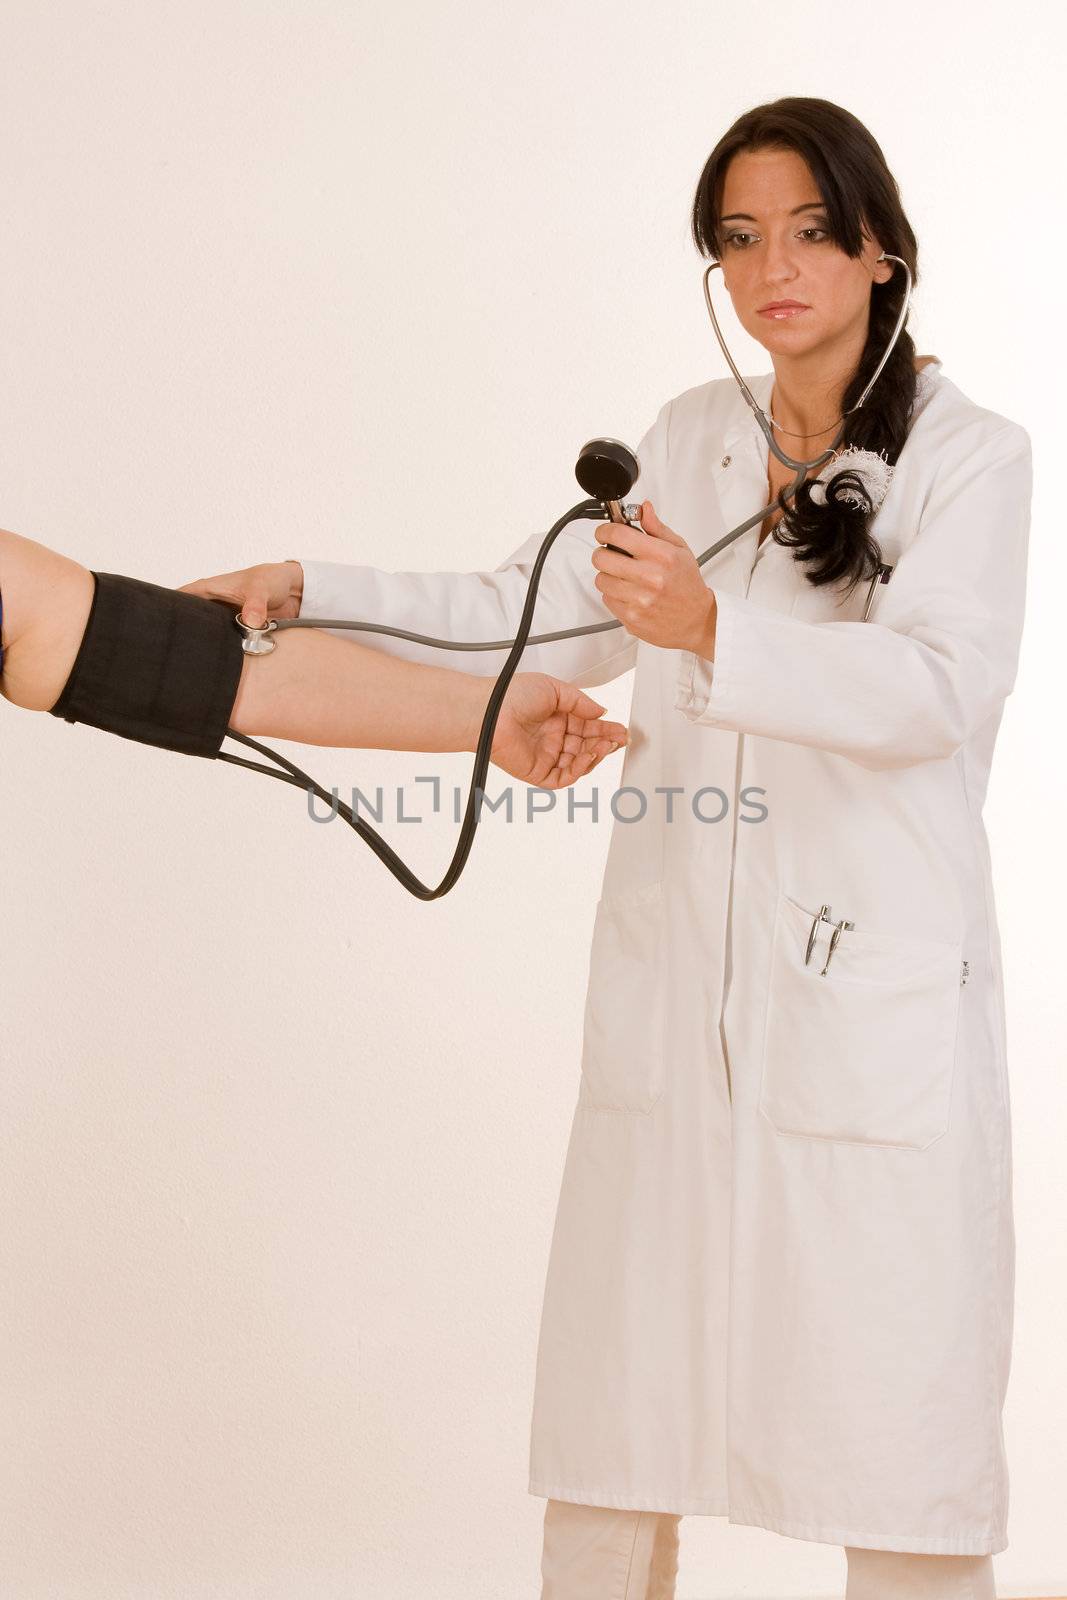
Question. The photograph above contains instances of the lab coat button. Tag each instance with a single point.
(726, 461)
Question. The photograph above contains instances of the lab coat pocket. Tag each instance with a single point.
(866, 1052)
(623, 1055)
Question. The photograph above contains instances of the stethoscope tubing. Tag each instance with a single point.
(256, 641)
(765, 422)
(594, 508)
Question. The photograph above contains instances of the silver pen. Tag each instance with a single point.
(881, 576)
(822, 915)
(838, 927)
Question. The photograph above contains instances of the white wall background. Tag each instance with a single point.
(280, 1146)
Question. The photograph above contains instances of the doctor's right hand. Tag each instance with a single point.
(272, 589)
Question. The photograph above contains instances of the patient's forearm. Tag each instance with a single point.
(319, 689)
(313, 687)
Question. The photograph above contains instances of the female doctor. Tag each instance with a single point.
(780, 1284)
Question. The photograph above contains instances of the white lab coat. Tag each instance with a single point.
(780, 1284)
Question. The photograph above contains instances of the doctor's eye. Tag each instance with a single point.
(734, 238)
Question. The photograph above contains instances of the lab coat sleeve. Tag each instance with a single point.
(937, 664)
(488, 605)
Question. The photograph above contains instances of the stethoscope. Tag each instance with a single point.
(606, 470)
(767, 424)
(802, 468)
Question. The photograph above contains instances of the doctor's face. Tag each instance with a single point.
(775, 248)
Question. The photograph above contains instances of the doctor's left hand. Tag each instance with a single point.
(656, 591)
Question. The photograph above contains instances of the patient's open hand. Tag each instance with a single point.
(550, 733)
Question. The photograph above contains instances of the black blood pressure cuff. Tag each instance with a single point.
(156, 666)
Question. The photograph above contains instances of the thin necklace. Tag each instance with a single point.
(792, 434)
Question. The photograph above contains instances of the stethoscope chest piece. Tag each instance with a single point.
(255, 641)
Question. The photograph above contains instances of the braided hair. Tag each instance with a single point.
(832, 536)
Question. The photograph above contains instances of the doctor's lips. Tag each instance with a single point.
(782, 309)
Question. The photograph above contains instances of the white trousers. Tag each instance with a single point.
(599, 1553)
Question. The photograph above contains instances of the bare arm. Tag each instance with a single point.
(313, 687)
(319, 689)
(46, 606)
